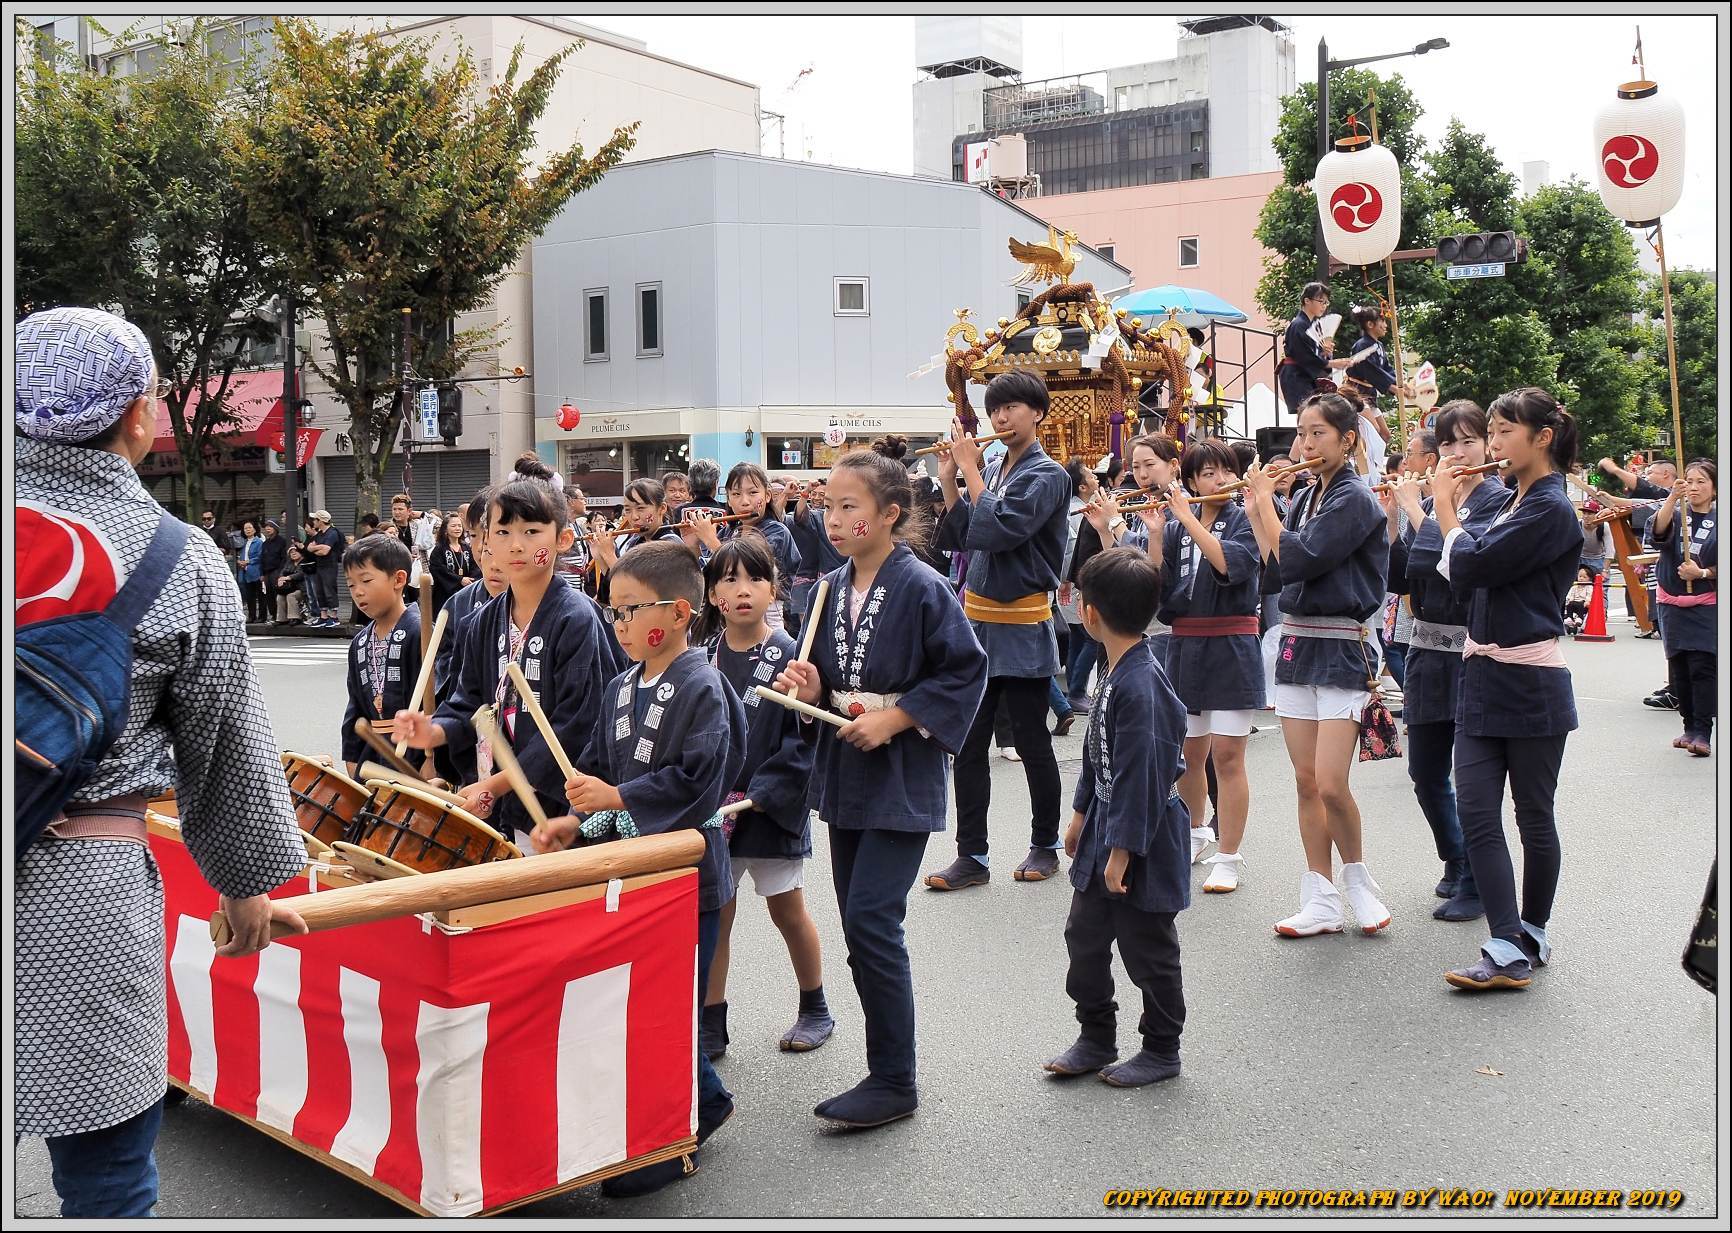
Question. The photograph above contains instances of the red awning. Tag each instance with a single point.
(251, 395)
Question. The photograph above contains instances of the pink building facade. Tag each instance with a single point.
(1195, 233)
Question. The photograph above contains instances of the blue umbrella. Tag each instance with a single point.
(1195, 307)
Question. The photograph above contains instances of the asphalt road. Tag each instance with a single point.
(1335, 1062)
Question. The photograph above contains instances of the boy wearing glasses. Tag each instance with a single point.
(669, 742)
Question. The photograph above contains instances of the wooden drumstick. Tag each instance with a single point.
(382, 747)
(487, 725)
(492, 882)
(814, 614)
(944, 445)
(728, 811)
(794, 704)
(527, 696)
(370, 771)
(424, 682)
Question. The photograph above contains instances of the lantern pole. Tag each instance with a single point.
(1394, 328)
(1671, 349)
(1672, 365)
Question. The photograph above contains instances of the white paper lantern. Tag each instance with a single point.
(1639, 150)
(835, 435)
(1358, 187)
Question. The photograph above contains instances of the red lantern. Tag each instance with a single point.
(569, 416)
(1358, 188)
(1639, 151)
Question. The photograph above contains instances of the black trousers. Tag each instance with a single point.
(1025, 699)
(1530, 764)
(1148, 945)
(1690, 677)
(873, 872)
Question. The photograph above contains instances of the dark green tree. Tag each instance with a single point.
(1584, 281)
(128, 198)
(1482, 335)
(387, 180)
(1287, 225)
(1695, 317)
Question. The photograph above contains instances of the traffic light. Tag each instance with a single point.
(450, 413)
(1479, 247)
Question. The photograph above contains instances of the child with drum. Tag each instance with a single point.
(554, 637)
(668, 743)
(385, 656)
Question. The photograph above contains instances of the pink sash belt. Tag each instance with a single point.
(1547, 654)
(1688, 601)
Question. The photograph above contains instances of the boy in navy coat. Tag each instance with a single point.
(1129, 839)
(385, 655)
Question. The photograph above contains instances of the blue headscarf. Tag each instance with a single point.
(76, 370)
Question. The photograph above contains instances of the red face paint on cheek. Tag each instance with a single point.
(861, 529)
(654, 638)
(541, 556)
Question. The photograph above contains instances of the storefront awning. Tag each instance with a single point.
(251, 395)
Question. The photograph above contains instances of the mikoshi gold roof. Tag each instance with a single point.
(1093, 358)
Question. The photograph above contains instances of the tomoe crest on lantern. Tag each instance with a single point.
(1358, 187)
(1639, 153)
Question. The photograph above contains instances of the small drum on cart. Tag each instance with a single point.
(327, 802)
(407, 830)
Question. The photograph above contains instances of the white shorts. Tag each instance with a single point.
(771, 875)
(1320, 702)
(1218, 723)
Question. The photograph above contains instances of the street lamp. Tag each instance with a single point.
(1324, 65)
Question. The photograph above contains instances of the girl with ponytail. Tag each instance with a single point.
(1516, 705)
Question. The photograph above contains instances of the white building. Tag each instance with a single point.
(1209, 111)
(734, 307)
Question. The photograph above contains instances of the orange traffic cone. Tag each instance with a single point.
(1595, 629)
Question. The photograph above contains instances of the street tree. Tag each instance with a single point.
(127, 198)
(388, 180)
(1695, 319)
(1287, 225)
(1586, 284)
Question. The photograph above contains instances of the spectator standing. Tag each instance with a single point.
(326, 545)
(249, 567)
(273, 561)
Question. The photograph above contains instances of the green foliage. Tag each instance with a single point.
(1567, 319)
(387, 181)
(127, 199)
(1695, 318)
(1287, 226)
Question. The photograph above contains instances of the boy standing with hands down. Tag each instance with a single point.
(1129, 839)
(668, 745)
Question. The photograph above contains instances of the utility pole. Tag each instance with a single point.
(291, 421)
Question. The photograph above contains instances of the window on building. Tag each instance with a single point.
(1197, 172)
(595, 324)
(649, 318)
(1022, 299)
(1105, 250)
(1187, 251)
(1196, 142)
(851, 298)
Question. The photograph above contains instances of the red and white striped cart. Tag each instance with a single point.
(459, 1064)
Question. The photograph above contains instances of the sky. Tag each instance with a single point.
(1531, 84)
